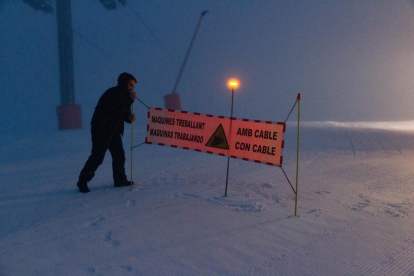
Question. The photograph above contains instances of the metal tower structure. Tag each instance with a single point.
(68, 112)
(42, 5)
(111, 4)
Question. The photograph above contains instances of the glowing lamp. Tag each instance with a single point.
(233, 83)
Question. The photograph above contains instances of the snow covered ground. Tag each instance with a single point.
(355, 210)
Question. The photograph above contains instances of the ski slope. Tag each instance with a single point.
(355, 208)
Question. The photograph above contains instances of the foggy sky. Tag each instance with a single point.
(350, 60)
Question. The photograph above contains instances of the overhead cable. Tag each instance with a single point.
(151, 32)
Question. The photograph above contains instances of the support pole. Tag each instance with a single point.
(228, 160)
(65, 43)
(69, 114)
(227, 177)
(172, 101)
(188, 51)
(132, 140)
(297, 157)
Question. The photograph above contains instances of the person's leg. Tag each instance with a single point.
(118, 160)
(96, 158)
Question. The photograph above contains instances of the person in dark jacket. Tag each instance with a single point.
(107, 128)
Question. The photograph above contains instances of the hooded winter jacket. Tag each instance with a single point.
(113, 108)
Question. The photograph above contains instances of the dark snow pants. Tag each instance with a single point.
(99, 147)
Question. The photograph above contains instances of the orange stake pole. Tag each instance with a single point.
(297, 157)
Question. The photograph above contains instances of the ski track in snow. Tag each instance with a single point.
(355, 209)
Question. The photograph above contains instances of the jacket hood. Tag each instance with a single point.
(123, 80)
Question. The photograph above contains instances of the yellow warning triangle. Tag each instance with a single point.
(218, 139)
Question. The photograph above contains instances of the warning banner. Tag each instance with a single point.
(250, 140)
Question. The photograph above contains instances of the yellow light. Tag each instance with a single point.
(233, 83)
